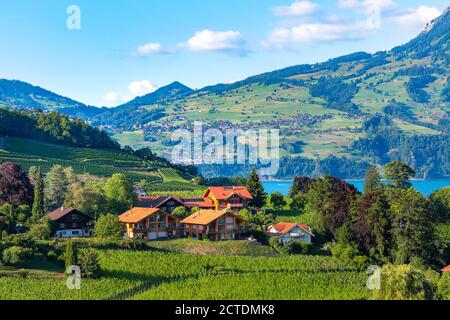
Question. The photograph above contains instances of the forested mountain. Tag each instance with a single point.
(21, 95)
(53, 127)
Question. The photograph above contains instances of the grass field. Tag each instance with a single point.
(173, 275)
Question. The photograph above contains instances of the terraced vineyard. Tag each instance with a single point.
(159, 275)
(103, 163)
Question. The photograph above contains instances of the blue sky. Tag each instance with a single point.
(124, 49)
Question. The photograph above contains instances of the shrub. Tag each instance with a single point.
(41, 231)
(443, 287)
(109, 227)
(88, 263)
(299, 247)
(401, 282)
(180, 212)
(16, 256)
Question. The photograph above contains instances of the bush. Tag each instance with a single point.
(299, 247)
(443, 288)
(180, 212)
(41, 231)
(16, 256)
(88, 263)
(402, 282)
(109, 227)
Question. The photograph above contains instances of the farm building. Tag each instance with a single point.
(214, 225)
(150, 223)
(71, 223)
(219, 198)
(286, 232)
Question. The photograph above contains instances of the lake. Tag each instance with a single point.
(426, 187)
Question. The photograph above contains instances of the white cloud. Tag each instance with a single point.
(298, 8)
(113, 98)
(141, 88)
(150, 49)
(417, 17)
(207, 40)
(135, 89)
(317, 33)
(367, 6)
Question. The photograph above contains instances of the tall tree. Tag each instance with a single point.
(38, 210)
(399, 173)
(277, 200)
(300, 185)
(15, 187)
(71, 253)
(257, 191)
(88, 200)
(56, 186)
(120, 193)
(372, 181)
(413, 230)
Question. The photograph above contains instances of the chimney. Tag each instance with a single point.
(62, 208)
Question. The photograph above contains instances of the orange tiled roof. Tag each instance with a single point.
(205, 217)
(136, 215)
(223, 193)
(446, 269)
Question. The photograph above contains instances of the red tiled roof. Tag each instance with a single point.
(61, 212)
(284, 227)
(223, 193)
(446, 269)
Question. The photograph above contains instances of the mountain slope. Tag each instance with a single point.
(21, 95)
(326, 111)
(133, 114)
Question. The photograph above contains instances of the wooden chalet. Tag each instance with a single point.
(164, 203)
(214, 225)
(219, 198)
(150, 224)
(71, 223)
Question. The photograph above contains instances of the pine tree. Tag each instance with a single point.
(70, 255)
(38, 210)
(256, 189)
(56, 186)
(372, 181)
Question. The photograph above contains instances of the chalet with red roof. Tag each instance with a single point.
(71, 223)
(286, 232)
(446, 269)
(220, 198)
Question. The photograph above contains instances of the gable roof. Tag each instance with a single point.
(136, 215)
(284, 227)
(61, 212)
(205, 217)
(446, 269)
(223, 193)
(156, 201)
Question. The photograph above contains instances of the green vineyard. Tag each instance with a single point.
(97, 162)
(162, 275)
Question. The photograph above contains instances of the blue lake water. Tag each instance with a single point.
(426, 187)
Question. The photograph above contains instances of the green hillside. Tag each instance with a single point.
(323, 110)
(97, 162)
(21, 95)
